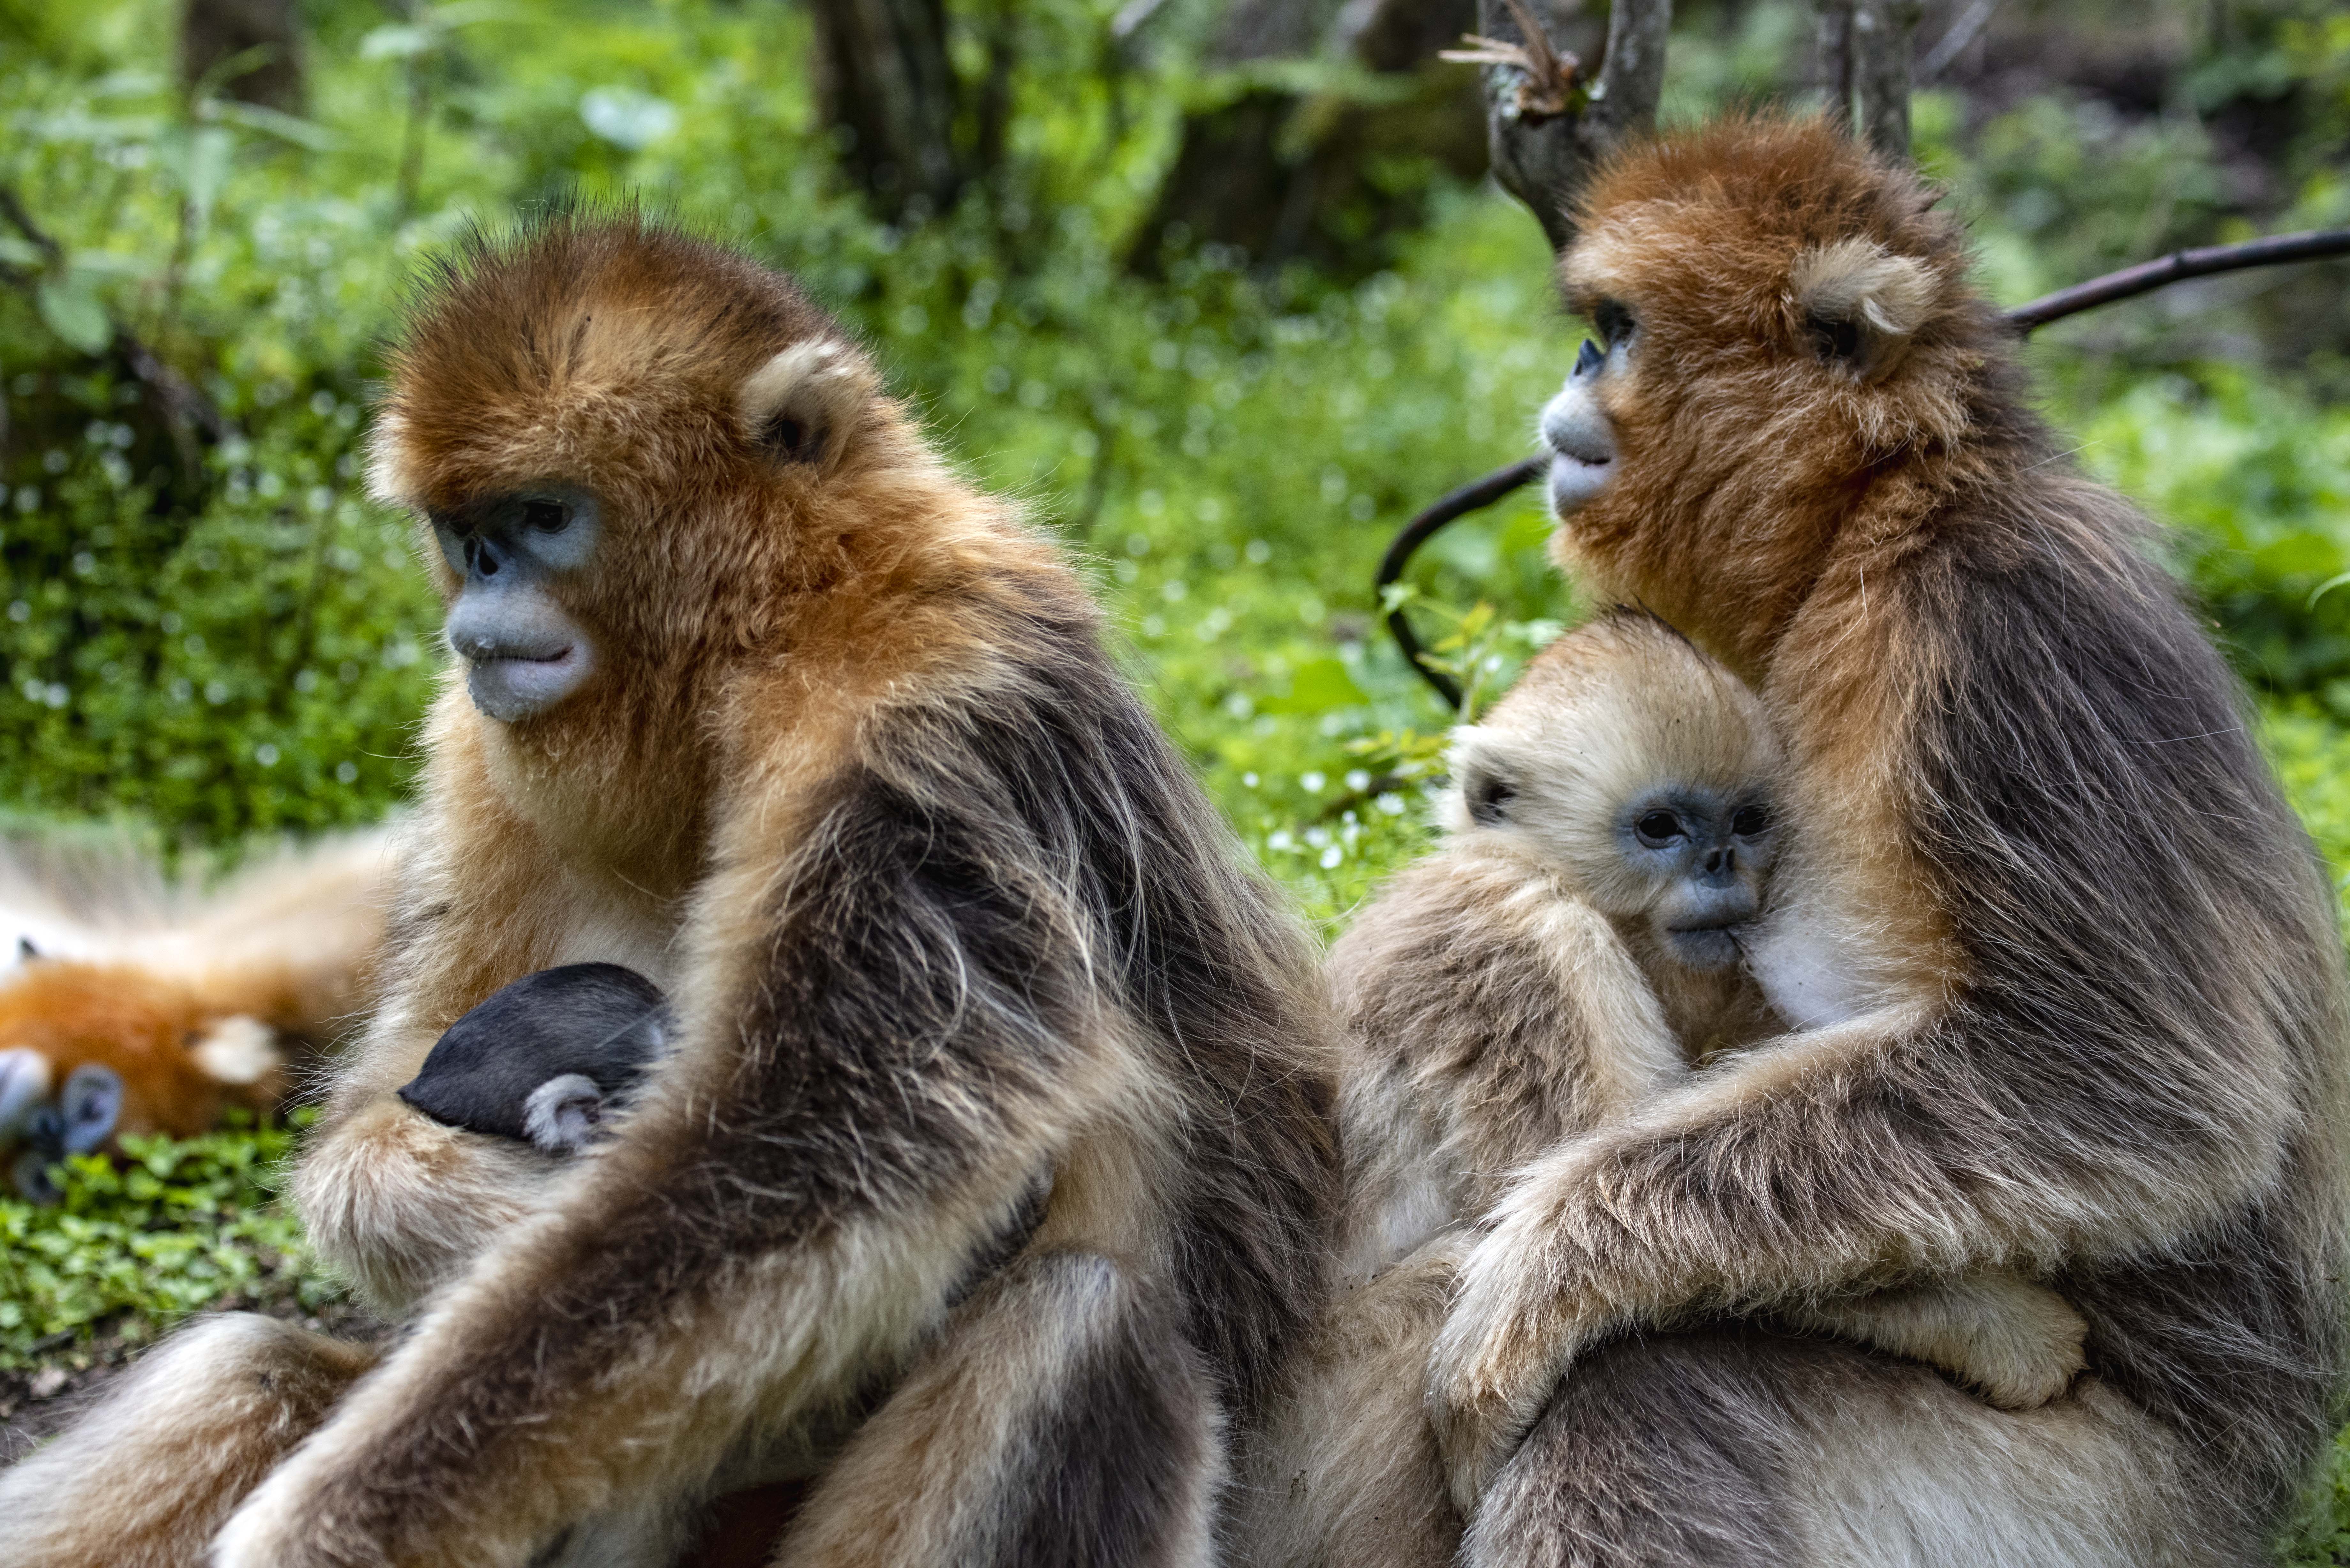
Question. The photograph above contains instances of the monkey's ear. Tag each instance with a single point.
(1862, 303)
(238, 1049)
(802, 405)
(1486, 793)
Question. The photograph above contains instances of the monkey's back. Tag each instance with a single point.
(1209, 972)
(2133, 893)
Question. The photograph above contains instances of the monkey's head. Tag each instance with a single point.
(1778, 315)
(616, 439)
(1637, 771)
(91, 1053)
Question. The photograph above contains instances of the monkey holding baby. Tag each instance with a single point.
(1568, 956)
(980, 1170)
(2065, 969)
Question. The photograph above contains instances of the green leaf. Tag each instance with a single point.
(272, 122)
(400, 41)
(2299, 554)
(75, 313)
(207, 168)
(1320, 685)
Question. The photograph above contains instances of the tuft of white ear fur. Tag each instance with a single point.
(239, 1049)
(562, 1113)
(1886, 296)
(804, 402)
(389, 481)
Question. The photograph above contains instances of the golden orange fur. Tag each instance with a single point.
(2071, 991)
(996, 1089)
(199, 1000)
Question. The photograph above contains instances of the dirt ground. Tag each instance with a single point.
(38, 1402)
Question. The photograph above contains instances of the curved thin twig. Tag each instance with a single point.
(1474, 496)
(2314, 245)
(2311, 244)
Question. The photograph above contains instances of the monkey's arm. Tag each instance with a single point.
(893, 1029)
(396, 1201)
(400, 1204)
(1491, 1014)
(1884, 1150)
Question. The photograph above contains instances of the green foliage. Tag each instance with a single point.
(2258, 478)
(2322, 1538)
(176, 1226)
(238, 640)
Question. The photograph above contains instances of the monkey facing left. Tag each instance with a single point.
(758, 699)
(1565, 958)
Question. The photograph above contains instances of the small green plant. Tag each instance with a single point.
(135, 1245)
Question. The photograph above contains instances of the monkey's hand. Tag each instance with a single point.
(1527, 1306)
(2020, 1345)
(2013, 1341)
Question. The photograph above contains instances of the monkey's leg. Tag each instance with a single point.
(1347, 1475)
(1061, 1420)
(1739, 1446)
(144, 1477)
(2017, 1344)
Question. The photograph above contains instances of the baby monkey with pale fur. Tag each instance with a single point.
(1568, 955)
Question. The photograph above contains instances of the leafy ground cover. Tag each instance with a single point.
(246, 652)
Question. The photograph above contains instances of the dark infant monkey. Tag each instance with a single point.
(546, 1058)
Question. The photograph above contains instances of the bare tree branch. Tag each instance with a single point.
(1543, 155)
(1962, 32)
(2310, 245)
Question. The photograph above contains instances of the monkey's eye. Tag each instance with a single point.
(1658, 829)
(1612, 321)
(543, 516)
(1751, 821)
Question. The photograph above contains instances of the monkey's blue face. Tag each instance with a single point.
(76, 1121)
(1708, 856)
(1581, 437)
(525, 652)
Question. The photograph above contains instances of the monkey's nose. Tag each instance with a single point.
(1589, 359)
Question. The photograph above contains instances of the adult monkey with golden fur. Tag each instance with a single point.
(1567, 953)
(2068, 969)
(763, 703)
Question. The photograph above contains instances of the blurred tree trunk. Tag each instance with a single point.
(1866, 51)
(250, 49)
(1327, 171)
(886, 83)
